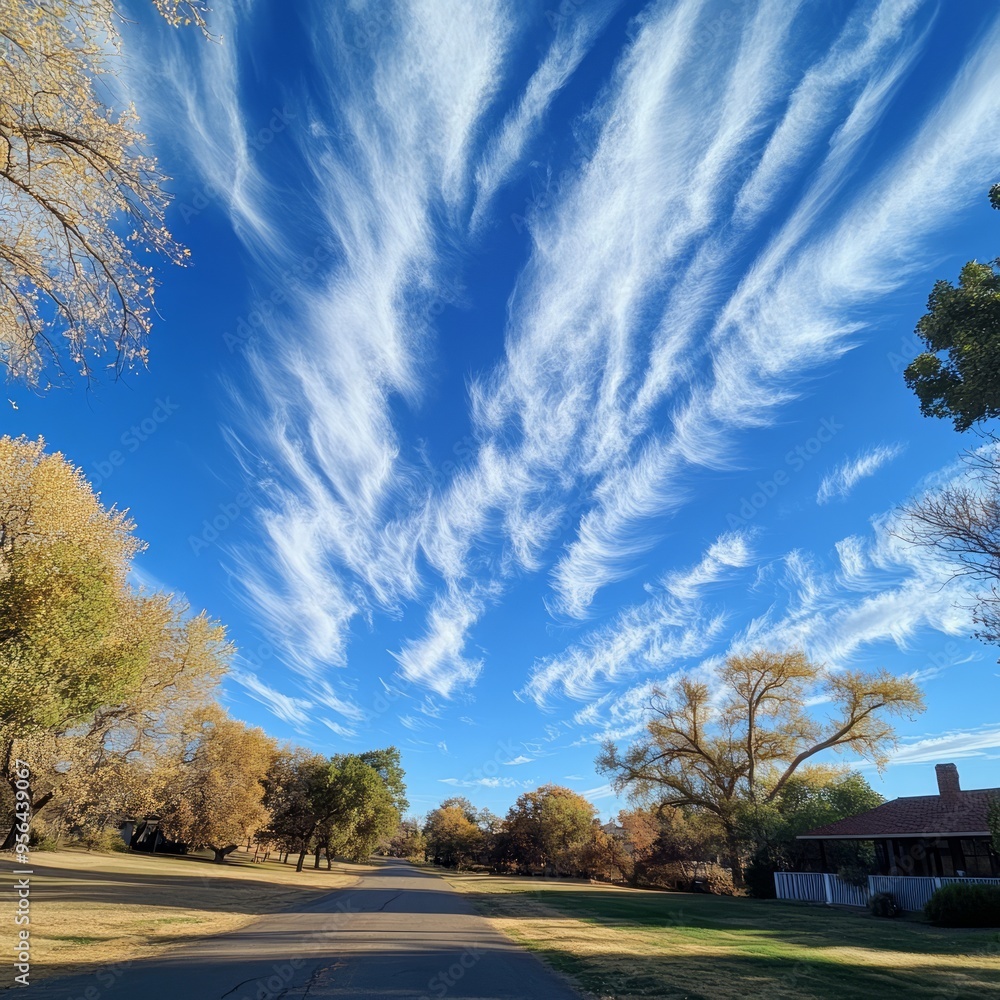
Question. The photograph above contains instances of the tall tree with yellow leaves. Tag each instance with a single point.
(90, 669)
(213, 794)
(82, 198)
(720, 754)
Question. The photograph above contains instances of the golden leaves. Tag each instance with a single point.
(72, 174)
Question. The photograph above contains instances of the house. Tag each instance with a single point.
(943, 835)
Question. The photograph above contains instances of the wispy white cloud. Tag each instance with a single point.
(600, 792)
(295, 711)
(573, 38)
(387, 141)
(437, 660)
(839, 483)
(793, 311)
(630, 363)
(880, 591)
(981, 741)
(655, 636)
(487, 782)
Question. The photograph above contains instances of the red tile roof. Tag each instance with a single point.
(960, 813)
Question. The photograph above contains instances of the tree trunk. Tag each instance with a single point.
(8, 756)
(734, 860)
(316, 859)
(327, 852)
(302, 859)
(221, 852)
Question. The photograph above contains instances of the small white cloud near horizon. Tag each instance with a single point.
(837, 485)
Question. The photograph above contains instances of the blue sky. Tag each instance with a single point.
(533, 352)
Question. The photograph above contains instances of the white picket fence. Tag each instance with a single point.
(909, 891)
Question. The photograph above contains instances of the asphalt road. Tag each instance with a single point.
(400, 933)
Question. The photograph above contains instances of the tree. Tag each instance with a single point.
(104, 768)
(962, 521)
(408, 842)
(214, 795)
(993, 818)
(454, 838)
(291, 792)
(815, 796)
(745, 749)
(341, 805)
(550, 828)
(364, 812)
(72, 634)
(90, 670)
(386, 764)
(68, 635)
(73, 177)
(962, 323)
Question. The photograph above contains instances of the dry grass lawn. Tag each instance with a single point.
(89, 909)
(630, 944)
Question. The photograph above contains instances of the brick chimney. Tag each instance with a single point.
(947, 779)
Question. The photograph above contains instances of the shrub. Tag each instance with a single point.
(964, 904)
(689, 877)
(102, 840)
(882, 904)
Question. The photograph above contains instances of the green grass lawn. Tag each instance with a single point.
(624, 944)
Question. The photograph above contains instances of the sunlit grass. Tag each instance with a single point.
(629, 944)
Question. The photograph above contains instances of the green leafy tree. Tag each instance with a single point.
(958, 376)
(340, 806)
(814, 797)
(364, 809)
(387, 764)
(993, 817)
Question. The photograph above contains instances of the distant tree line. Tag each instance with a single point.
(109, 693)
(555, 832)
(722, 782)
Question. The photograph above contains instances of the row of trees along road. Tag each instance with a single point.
(110, 694)
(555, 831)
